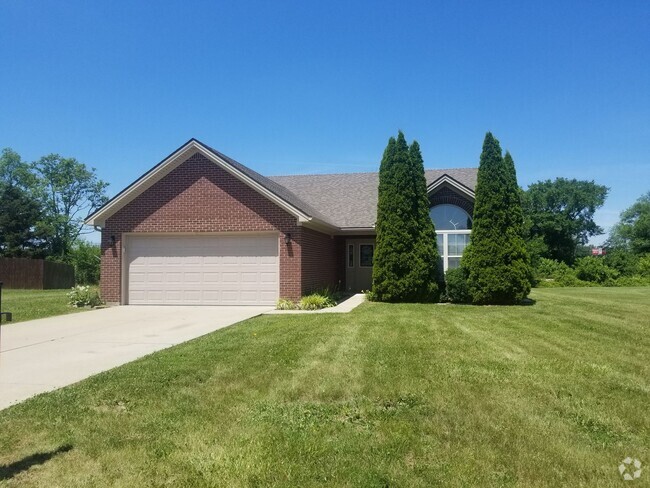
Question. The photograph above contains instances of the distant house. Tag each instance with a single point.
(201, 228)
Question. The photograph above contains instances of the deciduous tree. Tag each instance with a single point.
(561, 213)
(69, 191)
(633, 230)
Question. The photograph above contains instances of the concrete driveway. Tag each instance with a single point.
(45, 354)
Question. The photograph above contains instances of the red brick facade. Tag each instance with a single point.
(199, 196)
(446, 195)
(323, 261)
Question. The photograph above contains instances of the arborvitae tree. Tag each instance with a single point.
(404, 263)
(496, 260)
(424, 260)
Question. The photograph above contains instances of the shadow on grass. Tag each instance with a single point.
(8, 471)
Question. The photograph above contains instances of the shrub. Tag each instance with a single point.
(285, 304)
(457, 288)
(622, 260)
(595, 270)
(84, 296)
(643, 266)
(85, 257)
(550, 272)
(551, 269)
(632, 281)
(315, 301)
(370, 296)
(496, 258)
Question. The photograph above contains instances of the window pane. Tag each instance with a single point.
(453, 263)
(463, 240)
(440, 238)
(452, 247)
(450, 217)
(366, 252)
(456, 244)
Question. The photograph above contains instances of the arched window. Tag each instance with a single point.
(450, 217)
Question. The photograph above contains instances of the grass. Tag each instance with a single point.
(553, 394)
(35, 304)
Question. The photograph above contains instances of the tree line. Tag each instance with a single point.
(43, 205)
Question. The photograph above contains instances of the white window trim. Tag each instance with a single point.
(445, 248)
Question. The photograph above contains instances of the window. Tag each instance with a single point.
(366, 254)
(450, 217)
(453, 228)
(351, 256)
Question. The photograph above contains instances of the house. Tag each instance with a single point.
(201, 228)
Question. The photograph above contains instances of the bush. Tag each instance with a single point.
(643, 266)
(285, 304)
(595, 270)
(552, 273)
(551, 269)
(315, 301)
(85, 257)
(84, 296)
(622, 260)
(632, 281)
(456, 286)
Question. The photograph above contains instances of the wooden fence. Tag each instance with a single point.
(35, 274)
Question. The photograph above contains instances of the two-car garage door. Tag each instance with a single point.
(202, 270)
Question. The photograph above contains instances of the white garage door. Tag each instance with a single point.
(205, 270)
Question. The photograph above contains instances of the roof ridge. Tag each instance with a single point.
(364, 172)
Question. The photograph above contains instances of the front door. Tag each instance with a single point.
(359, 260)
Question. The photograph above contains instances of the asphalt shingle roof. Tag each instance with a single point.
(350, 199)
(342, 200)
(286, 194)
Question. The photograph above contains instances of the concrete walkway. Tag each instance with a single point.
(45, 354)
(344, 307)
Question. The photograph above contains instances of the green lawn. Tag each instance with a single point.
(35, 304)
(552, 394)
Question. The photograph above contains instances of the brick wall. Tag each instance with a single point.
(322, 261)
(449, 196)
(199, 196)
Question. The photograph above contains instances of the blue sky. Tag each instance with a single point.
(300, 86)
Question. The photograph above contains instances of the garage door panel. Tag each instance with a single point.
(210, 270)
(249, 277)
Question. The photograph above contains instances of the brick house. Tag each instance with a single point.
(201, 228)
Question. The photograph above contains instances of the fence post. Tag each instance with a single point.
(6, 314)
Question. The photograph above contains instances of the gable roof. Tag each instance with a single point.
(333, 202)
(349, 200)
(276, 193)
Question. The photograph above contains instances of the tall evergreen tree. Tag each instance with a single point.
(496, 260)
(404, 263)
(424, 261)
